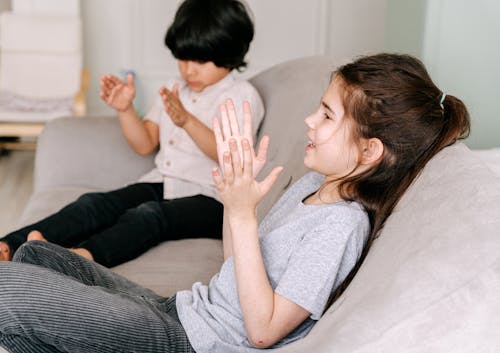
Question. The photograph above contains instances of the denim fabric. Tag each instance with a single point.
(120, 225)
(52, 300)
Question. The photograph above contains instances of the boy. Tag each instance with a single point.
(177, 199)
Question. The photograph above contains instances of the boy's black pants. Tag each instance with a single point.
(119, 225)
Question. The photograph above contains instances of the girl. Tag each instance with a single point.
(177, 199)
(378, 123)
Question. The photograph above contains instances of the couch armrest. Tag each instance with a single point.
(86, 152)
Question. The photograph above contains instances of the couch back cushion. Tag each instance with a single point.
(431, 281)
(291, 91)
(88, 152)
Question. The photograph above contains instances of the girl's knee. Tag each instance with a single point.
(25, 252)
(30, 251)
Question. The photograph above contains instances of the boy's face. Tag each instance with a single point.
(199, 75)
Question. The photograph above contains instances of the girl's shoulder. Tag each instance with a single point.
(311, 181)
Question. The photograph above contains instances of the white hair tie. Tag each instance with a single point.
(443, 96)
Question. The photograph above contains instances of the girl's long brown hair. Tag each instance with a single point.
(392, 97)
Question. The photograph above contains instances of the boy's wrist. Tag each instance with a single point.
(129, 109)
(188, 121)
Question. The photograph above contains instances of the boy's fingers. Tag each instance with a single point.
(175, 90)
(114, 80)
(114, 92)
(130, 80)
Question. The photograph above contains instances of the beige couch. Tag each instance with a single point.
(431, 282)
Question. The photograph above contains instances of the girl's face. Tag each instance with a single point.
(331, 150)
(199, 75)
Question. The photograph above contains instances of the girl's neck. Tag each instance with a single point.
(327, 193)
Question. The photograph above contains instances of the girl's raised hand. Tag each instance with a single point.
(117, 94)
(237, 187)
(231, 129)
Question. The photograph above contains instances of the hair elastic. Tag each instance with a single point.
(443, 96)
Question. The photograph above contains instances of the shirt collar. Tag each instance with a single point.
(216, 87)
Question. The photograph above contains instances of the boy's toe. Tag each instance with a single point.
(4, 252)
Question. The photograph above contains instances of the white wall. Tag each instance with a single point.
(5, 5)
(462, 52)
(458, 40)
(128, 34)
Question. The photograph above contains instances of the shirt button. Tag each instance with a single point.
(170, 142)
(193, 100)
(167, 163)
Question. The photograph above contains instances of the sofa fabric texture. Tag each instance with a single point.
(430, 283)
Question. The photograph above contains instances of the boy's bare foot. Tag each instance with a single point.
(35, 235)
(4, 252)
(82, 252)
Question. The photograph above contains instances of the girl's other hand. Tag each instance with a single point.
(117, 94)
(239, 191)
(236, 184)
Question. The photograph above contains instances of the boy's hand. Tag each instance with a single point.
(173, 105)
(117, 94)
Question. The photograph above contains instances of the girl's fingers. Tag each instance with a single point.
(217, 132)
(263, 148)
(247, 122)
(218, 180)
(235, 157)
(225, 122)
(247, 158)
(269, 181)
(227, 168)
(233, 121)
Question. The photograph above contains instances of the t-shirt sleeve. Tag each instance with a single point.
(314, 266)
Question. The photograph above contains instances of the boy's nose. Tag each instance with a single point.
(190, 67)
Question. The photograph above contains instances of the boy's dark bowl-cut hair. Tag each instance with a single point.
(211, 30)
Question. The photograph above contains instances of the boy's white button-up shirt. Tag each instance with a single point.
(182, 167)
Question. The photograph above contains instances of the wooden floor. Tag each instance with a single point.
(16, 185)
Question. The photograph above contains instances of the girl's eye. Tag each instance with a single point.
(326, 116)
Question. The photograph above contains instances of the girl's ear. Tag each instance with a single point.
(372, 152)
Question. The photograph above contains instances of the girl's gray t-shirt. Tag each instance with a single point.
(308, 250)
